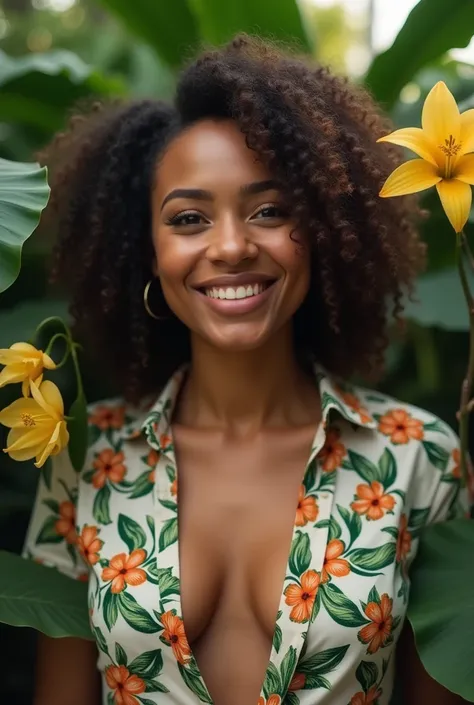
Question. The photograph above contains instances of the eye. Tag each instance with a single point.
(189, 218)
(270, 212)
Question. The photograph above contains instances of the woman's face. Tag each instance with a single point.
(226, 254)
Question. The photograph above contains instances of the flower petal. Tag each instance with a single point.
(464, 171)
(18, 439)
(467, 131)
(43, 455)
(37, 393)
(12, 374)
(456, 198)
(440, 117)
(416, 140)
(52, 396)
(17, 353)
(415, 175)
(12, 415)
(48, 362)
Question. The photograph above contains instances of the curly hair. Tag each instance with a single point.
(315, 132)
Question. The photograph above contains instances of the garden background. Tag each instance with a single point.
(56, 52)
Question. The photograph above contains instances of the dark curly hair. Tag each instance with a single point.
(315, 132)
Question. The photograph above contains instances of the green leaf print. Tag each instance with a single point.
(47, 473)
(309, 479)
(110, 609)
(93, 434)
(169, 504)
(144, 701)
(340, 608)
(367, 674)
(353, 522)
(277, 638)
(387, 468)
(438, 455)
(436, 425)
(120, 656)
(142, 486)
(110, 699)
(334, 529)
(168, 534)
(418, 518)
(323, 662)
(364, 467)
(100, 639)
(153, 686)
(151, 524)
(272, 683)
(373, 596)
(136, 616)
(372, 558)
(147, 665)
(131, 532)
(48, 533)
(287, 669)
(170, 471)
(52, 504)
(194, 683)
(88, 475)
(291, 699)
(100, 510)
(300, 554)
(315, 681)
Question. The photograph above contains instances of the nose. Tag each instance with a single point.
(230, 243)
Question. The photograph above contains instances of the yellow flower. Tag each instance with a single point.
(23, 363)
(443, 144)
(38, 427)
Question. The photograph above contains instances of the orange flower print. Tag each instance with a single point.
(165, 441)
(372, 501)
(108, 466)
(174, 636)
(377, 633)
(456, 456)
(354, 403)
(333, 565)
(123, 569)
(124, 684)
(307, 509)
(89, 545)
(368, 698)
(333, 452)
(105, 417)
(66, 524)
(152, 458)
(403, 539)
(297, 682)
(301, 597)
(174, 487)
(401, 426)
(272, 700)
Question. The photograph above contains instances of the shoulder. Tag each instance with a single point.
(401, 422)
(114, 417)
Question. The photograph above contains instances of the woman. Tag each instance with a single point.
(231, 264)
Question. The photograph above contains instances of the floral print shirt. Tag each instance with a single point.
(379, 471)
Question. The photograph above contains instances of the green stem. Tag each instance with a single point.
(466, 386)
(50, 346)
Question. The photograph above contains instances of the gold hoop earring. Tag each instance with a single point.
(147, 305)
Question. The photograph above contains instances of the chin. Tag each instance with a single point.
(239, 339)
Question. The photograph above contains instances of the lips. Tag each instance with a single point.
(231, 293)
(239, 298)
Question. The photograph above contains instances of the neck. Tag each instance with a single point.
(245, 391)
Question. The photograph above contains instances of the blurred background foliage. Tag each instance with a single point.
(54, 53)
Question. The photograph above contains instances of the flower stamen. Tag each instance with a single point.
(28, 420)
(450, 150)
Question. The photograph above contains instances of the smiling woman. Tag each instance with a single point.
(246, 518)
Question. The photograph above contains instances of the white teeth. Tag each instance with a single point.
(240, 292)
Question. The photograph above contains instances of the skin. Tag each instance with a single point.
(244, 422)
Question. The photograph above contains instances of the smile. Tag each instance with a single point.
(240, 292)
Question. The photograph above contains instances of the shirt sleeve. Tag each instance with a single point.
(440, 484)
(51, 537)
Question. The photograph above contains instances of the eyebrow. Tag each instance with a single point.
(201, 195)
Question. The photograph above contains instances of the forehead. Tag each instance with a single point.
(209, 154)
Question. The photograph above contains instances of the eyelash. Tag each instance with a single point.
(177, 219)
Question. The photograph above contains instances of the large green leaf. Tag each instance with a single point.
(441, 607)
(169, 27)
(32, 595)
(37, 89)
(24, 192)
(267, 18)
(440, 302)
(431, 29)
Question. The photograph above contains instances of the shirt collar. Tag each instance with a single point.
(335, 396)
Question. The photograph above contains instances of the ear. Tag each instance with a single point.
(154, 267)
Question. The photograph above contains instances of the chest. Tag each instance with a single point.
(238, 503)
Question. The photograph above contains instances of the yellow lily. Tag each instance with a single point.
(23, 363)
(38, 427)
(443, 143)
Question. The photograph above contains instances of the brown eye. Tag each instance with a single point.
(183, 219)
(271, 212)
